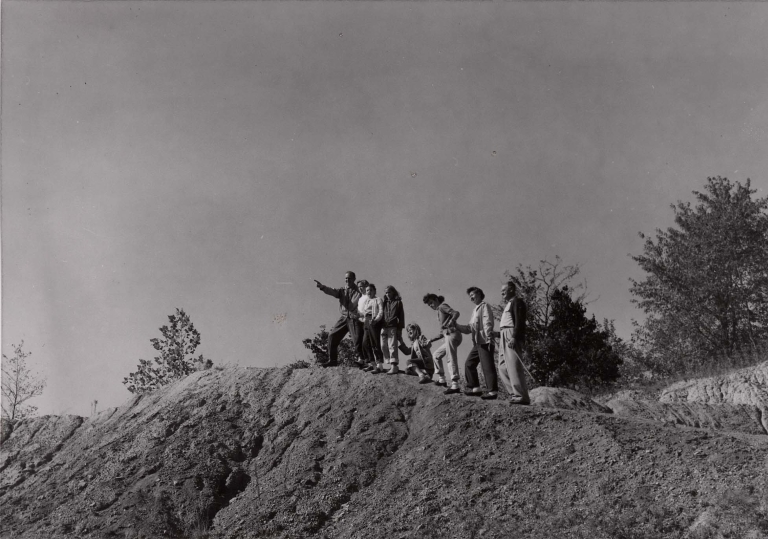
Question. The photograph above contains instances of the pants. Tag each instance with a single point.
(449, 348)
(339, 330)
(482, 354)
(372, 342)
(389, 345)
(511, 366)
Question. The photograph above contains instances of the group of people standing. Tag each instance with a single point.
(375, 325)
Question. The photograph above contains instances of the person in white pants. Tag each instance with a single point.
(452, 339)
(512, 337)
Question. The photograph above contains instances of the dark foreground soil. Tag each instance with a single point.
(241, 453)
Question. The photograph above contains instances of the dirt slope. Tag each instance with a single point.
(241, 453)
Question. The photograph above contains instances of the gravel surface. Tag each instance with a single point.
(242, 452)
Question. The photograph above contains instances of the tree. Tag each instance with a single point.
(573, 350)
(706, 289)
(19, 385)
(318, 345)
(563, 346)
(175, 361)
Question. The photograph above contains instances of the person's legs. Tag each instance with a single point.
(452, 342)
(470, 368)
(518, 378)
(368, 343)
(485, 351)
(335, 335)
(437, 358)
(376, 344)
(385, 343)
(511, 369)
(394, 357)
(356, 333)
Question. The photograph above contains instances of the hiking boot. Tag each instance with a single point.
(424, 379)
(394, 369)
(330, 364)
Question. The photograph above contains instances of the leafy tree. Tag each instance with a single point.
(175, 361)
(537, 285)
(318, 345)
(706, 289)
(19, 385)
(563, 346)
(573, 350)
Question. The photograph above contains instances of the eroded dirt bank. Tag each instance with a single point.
(338, 453)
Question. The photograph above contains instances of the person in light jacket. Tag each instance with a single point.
(372, 315)
(481, 329)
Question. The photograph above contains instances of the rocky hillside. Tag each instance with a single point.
(244, 453)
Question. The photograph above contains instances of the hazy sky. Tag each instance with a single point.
(220, 156)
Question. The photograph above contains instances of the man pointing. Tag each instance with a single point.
(349, 321)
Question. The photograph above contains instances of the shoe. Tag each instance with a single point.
(368, 368)
(451, 391)
(360, 365)
(394, 369)
(441, 382)
(471, 393)
(424, 379)
(331, 364)
(518, 400)
(489, 397)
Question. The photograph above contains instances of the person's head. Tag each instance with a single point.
(391, 292)
(371, 290)
(349, 278)
(433, 300)
(508, 291)
(362, 285)
(476, 295)
(414, 331)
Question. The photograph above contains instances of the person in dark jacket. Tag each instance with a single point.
(393, 321)
(512, 337)
(349, 321)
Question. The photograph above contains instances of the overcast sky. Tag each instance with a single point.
(218, 157)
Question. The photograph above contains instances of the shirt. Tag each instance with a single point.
(481, 325)
(513, 317)
(371, 307)
(444, 315)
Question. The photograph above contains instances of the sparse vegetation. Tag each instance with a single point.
(175, 361)
(19, 385)
(318, 345)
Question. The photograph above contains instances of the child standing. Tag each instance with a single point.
(393, 320)
(372, 315)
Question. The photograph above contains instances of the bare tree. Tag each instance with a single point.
(19, 385)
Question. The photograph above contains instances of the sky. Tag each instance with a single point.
(219, 156)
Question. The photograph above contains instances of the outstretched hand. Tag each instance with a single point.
(317, 283)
